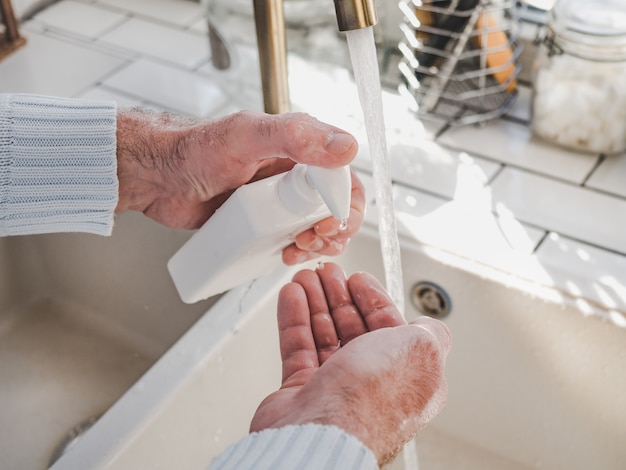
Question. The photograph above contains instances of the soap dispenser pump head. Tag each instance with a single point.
(335, 187)
(304, 187)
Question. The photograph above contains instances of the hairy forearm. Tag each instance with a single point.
(147, 148)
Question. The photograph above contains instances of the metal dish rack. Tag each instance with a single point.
(459, 60)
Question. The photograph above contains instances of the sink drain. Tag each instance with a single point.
(71, 438)
(431, 299)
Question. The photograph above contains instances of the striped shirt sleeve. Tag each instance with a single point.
(305, 447)
(58, 166)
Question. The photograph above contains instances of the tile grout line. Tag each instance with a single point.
(98, 45)
(152, 19)
(543, 238)
(123, 93)
(496, 173)
(105, 76)
(537, 172)
(599, 162)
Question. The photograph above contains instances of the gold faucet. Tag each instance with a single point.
(272, 42)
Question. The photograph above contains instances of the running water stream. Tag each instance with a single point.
(367, 77)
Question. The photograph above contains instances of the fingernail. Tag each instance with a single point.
(301, 258)
(339, 143)
(316, 244)
(330, 230)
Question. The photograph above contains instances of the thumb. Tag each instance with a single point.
(302, 138)
(436, 328)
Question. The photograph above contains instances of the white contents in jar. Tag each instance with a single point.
(581, 104)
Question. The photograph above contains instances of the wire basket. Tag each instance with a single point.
(460, 58)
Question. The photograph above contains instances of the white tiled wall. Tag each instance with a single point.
(171, 88)
(512, 143)
(146, 38)
(562, 207)
(493, 192)
(89, 21)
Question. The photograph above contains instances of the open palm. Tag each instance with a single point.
(351, 360)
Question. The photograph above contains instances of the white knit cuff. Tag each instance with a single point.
(305, 447)
(58, 166)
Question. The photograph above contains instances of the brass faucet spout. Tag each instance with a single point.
(355, 14)
(271, 35)
(271, 38)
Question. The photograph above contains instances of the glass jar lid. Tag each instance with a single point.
(590, 28)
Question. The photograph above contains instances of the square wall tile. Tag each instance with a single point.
(169, 87)
(513, 143)
(325, 91)
(179, 12)
(585, 271)
(50, 66)
(200, 26)
(103, 94)
(163, 42)
(467, 230)
(242, 80)
(79, 18)
(426, 165)
(563, 208)
(455, 226)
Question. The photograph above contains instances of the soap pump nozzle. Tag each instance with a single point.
(301, 188)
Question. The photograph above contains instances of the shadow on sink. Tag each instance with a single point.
(82, 317)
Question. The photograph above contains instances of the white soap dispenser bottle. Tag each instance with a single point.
(244, 238)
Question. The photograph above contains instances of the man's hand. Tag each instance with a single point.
(351, 360)
(179, 171)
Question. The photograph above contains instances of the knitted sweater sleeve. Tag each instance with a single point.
(58, 167)
(304, 447)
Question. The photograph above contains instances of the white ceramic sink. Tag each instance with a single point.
(533, 382)
(82, 317)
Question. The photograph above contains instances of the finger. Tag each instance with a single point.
(294, 255)
(373, 301)
(347, 318)
(255, 137)
(310, 141)
(297, 346)
(310, 241)
(327, 237)
(438, 329)
(322, 325)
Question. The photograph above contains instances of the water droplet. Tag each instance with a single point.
(343, 225)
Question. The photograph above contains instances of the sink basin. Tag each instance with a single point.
(534, 383)
(82, 317)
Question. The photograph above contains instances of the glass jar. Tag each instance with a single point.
(579, 96)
